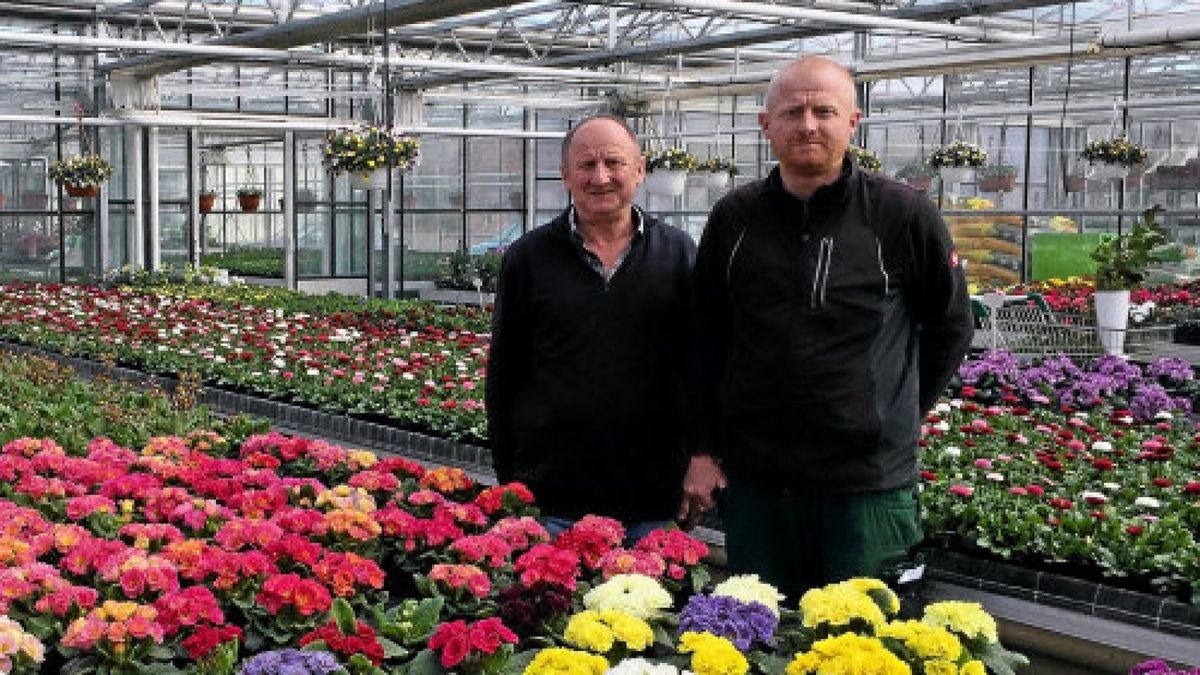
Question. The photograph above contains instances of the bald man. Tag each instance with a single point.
(832, 311)
(585, 377)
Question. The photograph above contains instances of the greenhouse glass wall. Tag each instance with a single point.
(193, 101)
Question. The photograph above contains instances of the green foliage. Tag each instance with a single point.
(41, 399)
(249, 191)
(718, 165)
(1122, 259)
(866, 159)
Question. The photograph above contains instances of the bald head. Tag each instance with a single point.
(809, 67)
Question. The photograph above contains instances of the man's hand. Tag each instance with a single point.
(703, 477)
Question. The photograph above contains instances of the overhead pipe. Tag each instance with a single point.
(874, 21)
(86, 43)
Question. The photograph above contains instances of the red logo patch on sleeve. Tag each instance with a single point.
(954, 259)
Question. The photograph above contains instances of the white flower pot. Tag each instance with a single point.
(954, 175)
(718, 180)
(1112, 318)
(373, 180)
(1107, 171)
(669, 183)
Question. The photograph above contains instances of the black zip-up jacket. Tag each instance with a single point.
(827, 328)
(585, 379)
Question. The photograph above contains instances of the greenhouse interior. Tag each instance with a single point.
(242, 403)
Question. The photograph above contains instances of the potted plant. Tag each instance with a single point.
(1113, 157)
(81, 175)
(208, 199)
(997, 177)
(918, 175)
(956, 162)
(1121, 263)
(717, 171)
(866, 159)
(249, 198)
(667, 170)
(369, 153)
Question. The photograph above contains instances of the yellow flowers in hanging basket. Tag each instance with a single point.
(81, 170)
(369, 148)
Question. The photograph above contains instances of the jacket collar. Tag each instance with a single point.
(835, 192)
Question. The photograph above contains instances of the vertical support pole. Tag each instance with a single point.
(153, 220)
(195, 218)
(134, 179)
(289, 210)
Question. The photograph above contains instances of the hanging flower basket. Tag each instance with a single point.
(364, 151)
(667, 170)
(249, 199)
(1075, 182)
(1110, 158)
(81, 173)
(207, 201)
(998, 178)
(957, 162)
(717, 171)
(919, 176)
(666, 182)
(82, 190)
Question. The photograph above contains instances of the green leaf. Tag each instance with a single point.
(343, 614)
(1001, 661)
(518, 663)
(425, 663)
(391, 650)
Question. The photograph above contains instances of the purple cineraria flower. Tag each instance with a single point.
(1150, 400)
(1170, 368)
(1156, 667)
(1121, 371)
(291, 662)
(742, 623)
(995, 362)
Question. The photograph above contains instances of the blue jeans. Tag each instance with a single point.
(633, 531)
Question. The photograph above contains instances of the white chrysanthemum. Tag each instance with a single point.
(1112, 486)
(1093, 496)
(942, 408)
(1164, 415)
(952, 451)
(634, 594)
(640, 666)
(1102, 446)
(942, 426)
(747, 588)
(1147, 502)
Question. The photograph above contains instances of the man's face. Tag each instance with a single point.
(809, 119)
(602, 170)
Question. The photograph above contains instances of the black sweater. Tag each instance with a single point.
(585, 378)
(828, 326)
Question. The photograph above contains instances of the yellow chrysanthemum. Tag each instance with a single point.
(747, 588)
(924, 640)
(940, 668)
(973, 668)
(838, 605)
(848, 654)
(560, 661)
(712, 655)
(634, 594)
(878, 591)
(964, 618)
(586, 631)
(635, 633)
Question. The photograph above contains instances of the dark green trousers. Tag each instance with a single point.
(801, 541)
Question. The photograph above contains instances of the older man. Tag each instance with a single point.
(834, 312)
(585, 373)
